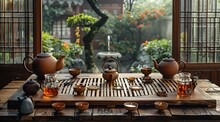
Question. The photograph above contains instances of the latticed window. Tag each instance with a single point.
(16, 30)
(20, 36)
(200, 31)
(61, 30)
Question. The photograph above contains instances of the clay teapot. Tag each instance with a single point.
(31, 87)
(43, 64)
(26, 105)
(110, 74)
(168, 67)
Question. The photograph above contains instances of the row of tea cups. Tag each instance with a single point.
(59, 106)
(130, 106)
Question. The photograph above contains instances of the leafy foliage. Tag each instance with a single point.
(130, 29)
(157, 49)
(82, 20)
(57, 47)
(50, 13)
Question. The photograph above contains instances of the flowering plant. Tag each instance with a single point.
(157, 49)
(57, 47)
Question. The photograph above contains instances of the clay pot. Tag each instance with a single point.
(43, 64)
(168, 67)
(31, 87)
(110, 74)
(26, 105)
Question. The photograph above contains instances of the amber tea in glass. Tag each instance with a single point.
(50, 92)
(184, 84)
(50, 85)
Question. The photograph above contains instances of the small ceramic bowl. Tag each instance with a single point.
(79, 89)
(130, 106)
(82, 106)
(58, 106)
(131, 79)
(74, 72)
(161, 105)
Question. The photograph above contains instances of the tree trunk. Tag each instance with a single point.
(87, 39)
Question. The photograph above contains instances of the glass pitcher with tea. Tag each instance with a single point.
(184, 84)
(50, 85)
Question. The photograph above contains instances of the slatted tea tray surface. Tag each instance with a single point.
(106, 89)
(107, 95)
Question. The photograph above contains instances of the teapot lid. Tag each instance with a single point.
(31, 81)
(168, 59)
(110, 70)
(43, 55)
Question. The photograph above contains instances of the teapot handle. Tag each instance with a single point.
(184, 65)
(24, 64)
(108, 60)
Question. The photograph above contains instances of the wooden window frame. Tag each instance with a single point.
(9, 72)
(209, 71)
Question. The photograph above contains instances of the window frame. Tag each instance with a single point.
(176, 37)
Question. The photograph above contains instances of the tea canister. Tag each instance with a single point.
(31, 87)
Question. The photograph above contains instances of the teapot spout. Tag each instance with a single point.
(155, 64)
(60, 63)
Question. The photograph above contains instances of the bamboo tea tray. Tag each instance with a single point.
(99, 92)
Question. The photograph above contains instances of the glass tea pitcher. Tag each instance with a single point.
(184, 84)
(50, 85)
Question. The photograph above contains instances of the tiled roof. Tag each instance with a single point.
(76, 2)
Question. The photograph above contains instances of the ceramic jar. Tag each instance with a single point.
(26, 105)
(31, 87)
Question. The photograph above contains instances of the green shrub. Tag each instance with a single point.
(157, 49)
(57, 47)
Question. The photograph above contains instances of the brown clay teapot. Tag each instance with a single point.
(43, 64)
(168, 67)
(110, 74)
(31, 87)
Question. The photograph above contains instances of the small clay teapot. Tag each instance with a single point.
(168, 67)
(26, 105)
(110, 74)
(31, 87)
(43, 64)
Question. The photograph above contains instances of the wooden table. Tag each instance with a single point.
(115, 113)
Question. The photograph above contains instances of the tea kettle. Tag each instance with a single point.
(43, 64)
(110, 74)
(168, 67)
(26, 105)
